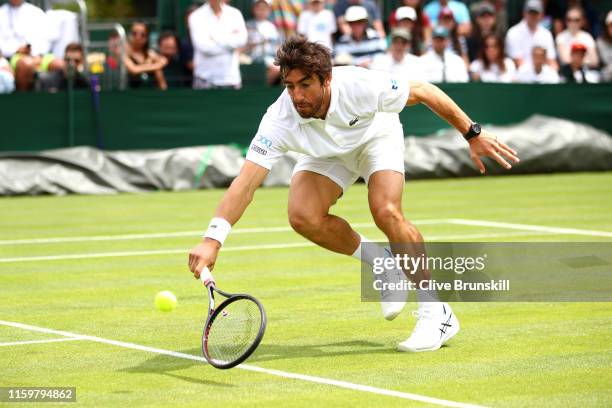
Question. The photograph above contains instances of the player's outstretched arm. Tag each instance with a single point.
(236, 199)
(485, 144)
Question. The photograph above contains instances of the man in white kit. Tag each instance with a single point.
(344, 121)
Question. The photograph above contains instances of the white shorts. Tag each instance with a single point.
(384, 151)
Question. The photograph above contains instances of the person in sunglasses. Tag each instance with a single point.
(145, 66)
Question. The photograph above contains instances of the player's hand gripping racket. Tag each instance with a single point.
(233, 329)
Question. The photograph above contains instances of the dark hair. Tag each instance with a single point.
(167, 34)
(309, 57)
(145, 48)
(74, 47)
(482, 55)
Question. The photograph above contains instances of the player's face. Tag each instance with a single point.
(306, 92)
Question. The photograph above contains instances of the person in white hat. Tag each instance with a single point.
(363, 43)
(317, 23)
(374, 19)
(344, 122)
(414, 20)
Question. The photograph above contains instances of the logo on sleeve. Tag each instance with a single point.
(259, 150)
(394, 84)
(352, 122)
(264, 141)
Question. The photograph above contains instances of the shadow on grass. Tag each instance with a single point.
(166, 365)
(268, 352)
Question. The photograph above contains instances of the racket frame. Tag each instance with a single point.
(214, 312)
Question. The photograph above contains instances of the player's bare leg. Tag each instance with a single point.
(311, 195)
(436, 322)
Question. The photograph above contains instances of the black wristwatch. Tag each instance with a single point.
(473, 131)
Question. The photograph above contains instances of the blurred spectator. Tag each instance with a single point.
(7, 80)
(74, 57)
(577, 71)
(536, 69)
(604, 46)
(263, 39)
(457, 42)
(460, 12)
(217, 32)
(144, 65)
(342, 6)
(286, 13)
(522, 38)
(63, 26)
(410, 16)
(573, 34)
(114, 50)
(556, 10)
(22, 24)
(492, 64)
(317, 23)
(398, 60)
(28, 67)
(186, 48)
(169, 49)
(440, 64)
(486, 24)
(23, 39)
(363, 44)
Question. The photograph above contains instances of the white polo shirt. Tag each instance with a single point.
(215, 42)
(360, 100)
(26, 24)
(520, 41)
(451, 68)
(410, 66)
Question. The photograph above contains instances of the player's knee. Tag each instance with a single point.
(305, 223)
(387, 215)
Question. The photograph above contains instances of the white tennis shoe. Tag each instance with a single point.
(436, 324)
(392, 301)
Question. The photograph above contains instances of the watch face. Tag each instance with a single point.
(476, 128)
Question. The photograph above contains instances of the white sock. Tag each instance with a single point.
(370, 251)
(427, 298)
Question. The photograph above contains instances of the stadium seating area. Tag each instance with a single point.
(551, 41)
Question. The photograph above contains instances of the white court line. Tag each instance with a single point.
(277, 373)
(54, 240)
(305, 244)
(529, 227)
(19, 343)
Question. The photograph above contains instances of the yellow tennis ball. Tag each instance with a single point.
(165, 301)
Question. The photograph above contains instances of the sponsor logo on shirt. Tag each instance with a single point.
(259, 150)
(264, 141)
(394, 84)
(352, 122)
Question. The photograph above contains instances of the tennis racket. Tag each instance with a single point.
(233, 329)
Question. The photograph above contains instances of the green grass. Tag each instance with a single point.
(507, 354)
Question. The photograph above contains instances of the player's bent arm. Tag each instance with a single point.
(233, 204)
(241, 192)
(483, 145)
(439, 102)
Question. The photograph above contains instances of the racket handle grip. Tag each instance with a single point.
(206, 277)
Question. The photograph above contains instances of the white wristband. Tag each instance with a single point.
(218, 229)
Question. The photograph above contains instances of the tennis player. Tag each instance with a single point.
(344, 121)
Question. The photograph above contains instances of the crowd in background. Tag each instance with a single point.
(437, 41)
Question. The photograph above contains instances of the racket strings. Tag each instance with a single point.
(234, 330)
